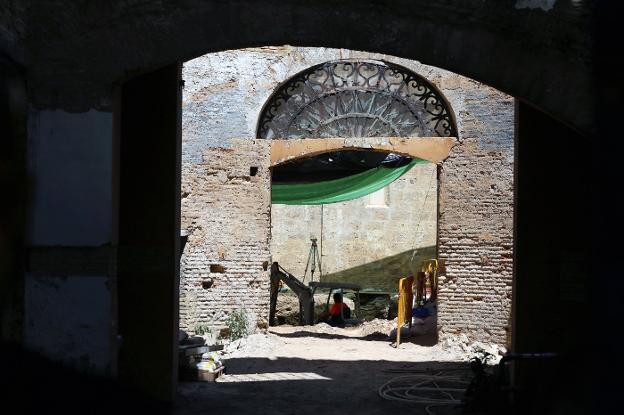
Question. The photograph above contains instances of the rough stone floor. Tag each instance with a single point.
(313, 370)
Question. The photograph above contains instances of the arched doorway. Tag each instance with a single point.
(234, 176)
(373, 234)
(447, 29)
(361, 99)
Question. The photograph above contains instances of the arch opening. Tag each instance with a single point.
(230, 165)
(374, 215)
(355, 99)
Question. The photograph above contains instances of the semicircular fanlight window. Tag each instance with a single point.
(350, 98)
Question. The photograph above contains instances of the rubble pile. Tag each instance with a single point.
(461, 346)
(257, 344)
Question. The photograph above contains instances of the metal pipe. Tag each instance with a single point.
(321, 248)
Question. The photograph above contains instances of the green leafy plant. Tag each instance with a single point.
(237, 324)
(201, 329)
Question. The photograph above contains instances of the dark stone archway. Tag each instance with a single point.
(75, 52)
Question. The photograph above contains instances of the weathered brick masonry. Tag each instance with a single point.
(227, 212)
(475, 224)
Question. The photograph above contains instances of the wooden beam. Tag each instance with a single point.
(433, 149)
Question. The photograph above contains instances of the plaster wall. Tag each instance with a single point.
(68, 294)
(68, 319)
(72, 197)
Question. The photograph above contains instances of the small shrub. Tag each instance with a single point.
(201, 329)
(237, 324)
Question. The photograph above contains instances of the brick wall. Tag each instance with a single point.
(228, 212)
(475, 225)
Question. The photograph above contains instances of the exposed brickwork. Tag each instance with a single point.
(227, 214)
(475, 226)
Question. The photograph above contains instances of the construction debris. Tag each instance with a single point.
(198, 361)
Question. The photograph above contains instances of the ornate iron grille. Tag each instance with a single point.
(356, 99)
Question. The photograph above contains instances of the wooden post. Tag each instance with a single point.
(406, 297)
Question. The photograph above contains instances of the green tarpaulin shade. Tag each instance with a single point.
(339, 190)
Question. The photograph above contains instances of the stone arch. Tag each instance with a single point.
(543, 56)
(473, 182)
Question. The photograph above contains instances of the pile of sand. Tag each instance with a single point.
(303, 340)
(259, 344)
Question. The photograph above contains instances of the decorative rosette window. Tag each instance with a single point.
(353, 98)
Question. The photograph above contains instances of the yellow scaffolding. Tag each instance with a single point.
(426, 280)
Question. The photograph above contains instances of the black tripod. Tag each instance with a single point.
(313, 258)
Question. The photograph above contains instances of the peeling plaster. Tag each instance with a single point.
(68, 320)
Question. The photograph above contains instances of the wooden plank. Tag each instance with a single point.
(433, 149)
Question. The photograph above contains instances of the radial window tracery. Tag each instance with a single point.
(356, 99)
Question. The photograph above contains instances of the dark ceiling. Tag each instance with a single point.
(334, 165)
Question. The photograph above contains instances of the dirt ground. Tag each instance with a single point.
(315, 369)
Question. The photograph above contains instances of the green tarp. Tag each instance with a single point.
(339, 190)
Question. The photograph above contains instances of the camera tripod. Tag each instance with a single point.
(313, 259)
